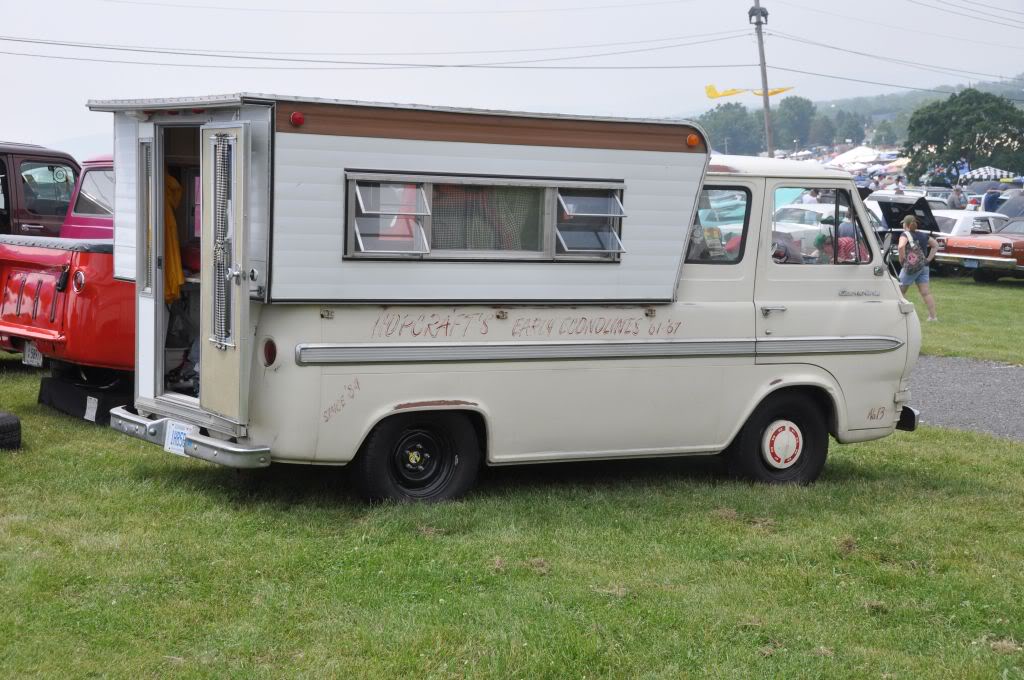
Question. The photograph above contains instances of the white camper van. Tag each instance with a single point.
(417, 292)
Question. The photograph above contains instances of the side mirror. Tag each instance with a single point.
(779, 254)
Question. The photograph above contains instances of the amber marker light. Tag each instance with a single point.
(692, 140)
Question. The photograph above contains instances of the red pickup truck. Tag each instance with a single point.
(59, 300)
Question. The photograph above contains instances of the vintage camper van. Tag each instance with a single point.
(416, 292)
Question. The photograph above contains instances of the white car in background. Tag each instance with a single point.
(966, 222)
(804, 222)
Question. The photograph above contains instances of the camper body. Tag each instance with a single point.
(421, 291)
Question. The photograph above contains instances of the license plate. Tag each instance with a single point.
(970, 264)
(174, 436)
(31, 356)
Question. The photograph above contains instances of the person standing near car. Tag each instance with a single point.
(991, 200)
(957, 200)
(916, 252)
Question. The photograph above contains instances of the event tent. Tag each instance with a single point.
(858, 154)
(985, 173)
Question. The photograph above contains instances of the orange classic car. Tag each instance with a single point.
(988, 256)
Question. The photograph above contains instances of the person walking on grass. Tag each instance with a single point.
(916, 251)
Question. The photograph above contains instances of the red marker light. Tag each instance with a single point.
(269, 352)
(297, 118)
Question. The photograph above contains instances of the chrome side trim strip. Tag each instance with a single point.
(851, 344)
(380, 353)
(325, 354)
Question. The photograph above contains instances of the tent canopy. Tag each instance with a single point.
(985, 173)
(858, 154)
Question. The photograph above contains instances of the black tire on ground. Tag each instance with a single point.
(785, 440)
(424, 456)
(10, 431)
(982, 276)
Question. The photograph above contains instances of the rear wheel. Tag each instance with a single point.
(427, 456)
(982, 276)
(785, 440)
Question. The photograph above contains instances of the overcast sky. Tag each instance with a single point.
(44, 99)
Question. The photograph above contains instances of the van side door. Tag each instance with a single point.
(823, 297)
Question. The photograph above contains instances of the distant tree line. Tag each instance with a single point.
(978, 127)
(796, 124)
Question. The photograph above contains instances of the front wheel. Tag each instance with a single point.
(785, 440)
(426, 456)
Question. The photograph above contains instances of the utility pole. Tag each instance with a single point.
(759, 16)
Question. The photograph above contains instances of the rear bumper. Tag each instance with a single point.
(984, 261)
(154, 430)
(908, 419)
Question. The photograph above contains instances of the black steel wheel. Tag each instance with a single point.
(426, 456)
(785, 441)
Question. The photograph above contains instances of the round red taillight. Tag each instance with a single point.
(297, 118)
(269, 352)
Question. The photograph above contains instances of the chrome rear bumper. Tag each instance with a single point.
(154, 430)
(984, 261)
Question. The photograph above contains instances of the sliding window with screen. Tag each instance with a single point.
(473, 218)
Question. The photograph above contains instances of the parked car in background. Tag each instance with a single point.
(60, 302)
(962, 222)
(989, 256)
(36, 185)
(1014, 207)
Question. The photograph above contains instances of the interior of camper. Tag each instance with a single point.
(181, 226)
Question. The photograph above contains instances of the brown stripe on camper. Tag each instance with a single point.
(450, 126)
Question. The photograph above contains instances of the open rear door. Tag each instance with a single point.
(225, 343)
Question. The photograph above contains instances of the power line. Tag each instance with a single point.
(872, 82)
(1001, 9)
(289, 10)
(234, 53)
(960, 5)
(902, 31)
(143, 50)
(655, 67)
(950, 71)
(940, 8)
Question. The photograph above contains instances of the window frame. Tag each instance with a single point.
(548, 217)
(81, 190)
(743, 235)
(835, 203)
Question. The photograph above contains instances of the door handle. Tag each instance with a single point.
(768, 309)
(234, 274)
(33, 227)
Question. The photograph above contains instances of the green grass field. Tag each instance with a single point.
(905, 561)
(982, 321)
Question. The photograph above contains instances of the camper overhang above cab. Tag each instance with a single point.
(387, 203)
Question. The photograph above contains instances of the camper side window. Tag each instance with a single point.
(443, 217)
(389, 218)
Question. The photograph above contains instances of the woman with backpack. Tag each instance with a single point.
(916, 251)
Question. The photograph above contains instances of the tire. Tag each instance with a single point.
(981, 276)
(10, 431)
(427, 456)
(785, 441)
